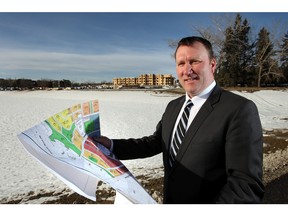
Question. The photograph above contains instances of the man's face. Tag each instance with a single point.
(194, 68)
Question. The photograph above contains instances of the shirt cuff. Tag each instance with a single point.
(112, 145)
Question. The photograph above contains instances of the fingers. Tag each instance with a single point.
(104, 141)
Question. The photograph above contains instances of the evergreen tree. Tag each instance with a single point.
(237, 55)
(223, 76)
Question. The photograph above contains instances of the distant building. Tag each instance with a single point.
(145, 80)
(129, 81)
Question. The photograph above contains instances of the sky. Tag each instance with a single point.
(98, 46)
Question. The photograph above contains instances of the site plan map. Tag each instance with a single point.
(64, 144)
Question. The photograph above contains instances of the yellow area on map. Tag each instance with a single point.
(100, 162)
(54, 124)
(59, 118)
(75, 115)
(75, 108)
(66, 112)
(66, 123)
(114, 172)
(77, 140)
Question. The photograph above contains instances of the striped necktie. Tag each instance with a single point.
(180, 132)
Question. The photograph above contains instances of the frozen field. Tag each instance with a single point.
(123, 114)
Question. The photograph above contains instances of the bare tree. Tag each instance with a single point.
(267, 58)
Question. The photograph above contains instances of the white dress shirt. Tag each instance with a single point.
(197, 101)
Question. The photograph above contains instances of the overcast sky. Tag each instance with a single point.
(99, 46)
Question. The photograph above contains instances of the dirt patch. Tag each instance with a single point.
(275, 140)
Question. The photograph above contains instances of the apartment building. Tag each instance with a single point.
(145, 80)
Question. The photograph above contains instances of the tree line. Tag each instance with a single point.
(21, 84)
(28, 84)
(245, 59)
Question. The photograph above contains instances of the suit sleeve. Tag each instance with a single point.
(244, 157)
(147, 146)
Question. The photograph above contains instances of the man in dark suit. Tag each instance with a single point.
(219, 160)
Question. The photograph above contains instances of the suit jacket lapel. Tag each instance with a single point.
(198, 120)
(174, 112)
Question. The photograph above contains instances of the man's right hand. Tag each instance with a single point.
(105, 141)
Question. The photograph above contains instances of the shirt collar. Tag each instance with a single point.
(199, 99)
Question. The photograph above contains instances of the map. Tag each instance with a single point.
(64, 144)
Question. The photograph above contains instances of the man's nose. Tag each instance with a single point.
(188, 69)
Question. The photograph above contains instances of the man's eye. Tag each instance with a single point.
(195, 62)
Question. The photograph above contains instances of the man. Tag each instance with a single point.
(215, 157)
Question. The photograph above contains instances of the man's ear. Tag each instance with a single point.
(213, 65)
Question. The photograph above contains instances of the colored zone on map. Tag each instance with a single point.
(65, 131)
(111, 165)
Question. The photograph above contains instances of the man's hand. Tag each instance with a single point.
(105, 141)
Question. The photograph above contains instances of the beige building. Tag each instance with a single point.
(125, 81)
(145, 80)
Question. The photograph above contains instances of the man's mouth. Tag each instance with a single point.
(191, 77)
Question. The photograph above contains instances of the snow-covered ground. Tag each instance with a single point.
(272, 106)
(123, 114)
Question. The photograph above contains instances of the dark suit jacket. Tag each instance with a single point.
(220, 159)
